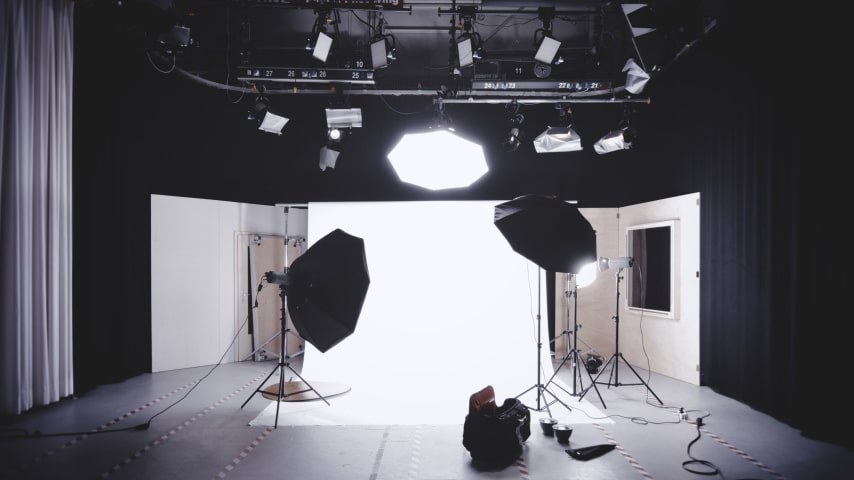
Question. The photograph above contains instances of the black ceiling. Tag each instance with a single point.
(182, 111)
(262, 43)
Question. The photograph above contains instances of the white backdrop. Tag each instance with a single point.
(450, 309)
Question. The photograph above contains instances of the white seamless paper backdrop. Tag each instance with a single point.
(450, 309)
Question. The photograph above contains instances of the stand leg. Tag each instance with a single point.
(613, 379)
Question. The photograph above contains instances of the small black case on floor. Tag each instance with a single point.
(591, 452)
(494, 435)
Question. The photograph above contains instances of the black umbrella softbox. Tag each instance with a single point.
(327, 286)
(547, 231)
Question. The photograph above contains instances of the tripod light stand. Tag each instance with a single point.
(553, 234)
(324, 290)
(618, 263)
(572, 356)
(284, 357)
(542, 389)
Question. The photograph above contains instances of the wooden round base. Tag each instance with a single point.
(302, 392)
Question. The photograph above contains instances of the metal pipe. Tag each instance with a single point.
(535, 101)
(530, 97)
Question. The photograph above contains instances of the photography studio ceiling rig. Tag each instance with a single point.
(477, 51)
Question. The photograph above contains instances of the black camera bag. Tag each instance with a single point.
(495, 437)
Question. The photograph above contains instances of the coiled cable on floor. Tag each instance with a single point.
(689, 465)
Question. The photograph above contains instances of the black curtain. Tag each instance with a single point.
(735, 130)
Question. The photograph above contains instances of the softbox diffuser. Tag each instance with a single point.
(547, 231)
(328, 285)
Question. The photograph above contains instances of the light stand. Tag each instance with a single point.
(572, 355)
(284, 357)
(260, 353)
(542, 403)
(614, 378)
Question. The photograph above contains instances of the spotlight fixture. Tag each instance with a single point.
(383, 52)
(383, 49)
(335, 135)
(615, 140)
(469, 45)
(344, 117)
(178, 36)
(469, 49)
(547, 45)
(464, 52)
(514, 137)
(438, 159)
(622, 138)
(636, 78)
(639, 18)
(558, 139)
(513, 140)
(339, 122)
(267, 120)
(328, 158)
(547, 51)
(561, 138)
(322, 46)
(615, 263)
(319, 42)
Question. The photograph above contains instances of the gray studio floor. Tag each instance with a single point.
(207, 436)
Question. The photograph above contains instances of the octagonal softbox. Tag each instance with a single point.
(327, 286)
(547, 231)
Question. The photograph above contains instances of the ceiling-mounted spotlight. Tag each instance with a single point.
(622, 138)
(339, 122)
(514, 137)
(558, 139)
(469, 45)
(319, 42)
(639, 18)
(383, 51)
(328, 157)
(547, 45)
(344, 117)
(177, 36)
(267, 120)
(547, 51)
(383, 48)
(636, 78)
(561, 138)
(469, 49)
(335, 135)
(322, 46)
(464, 52)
